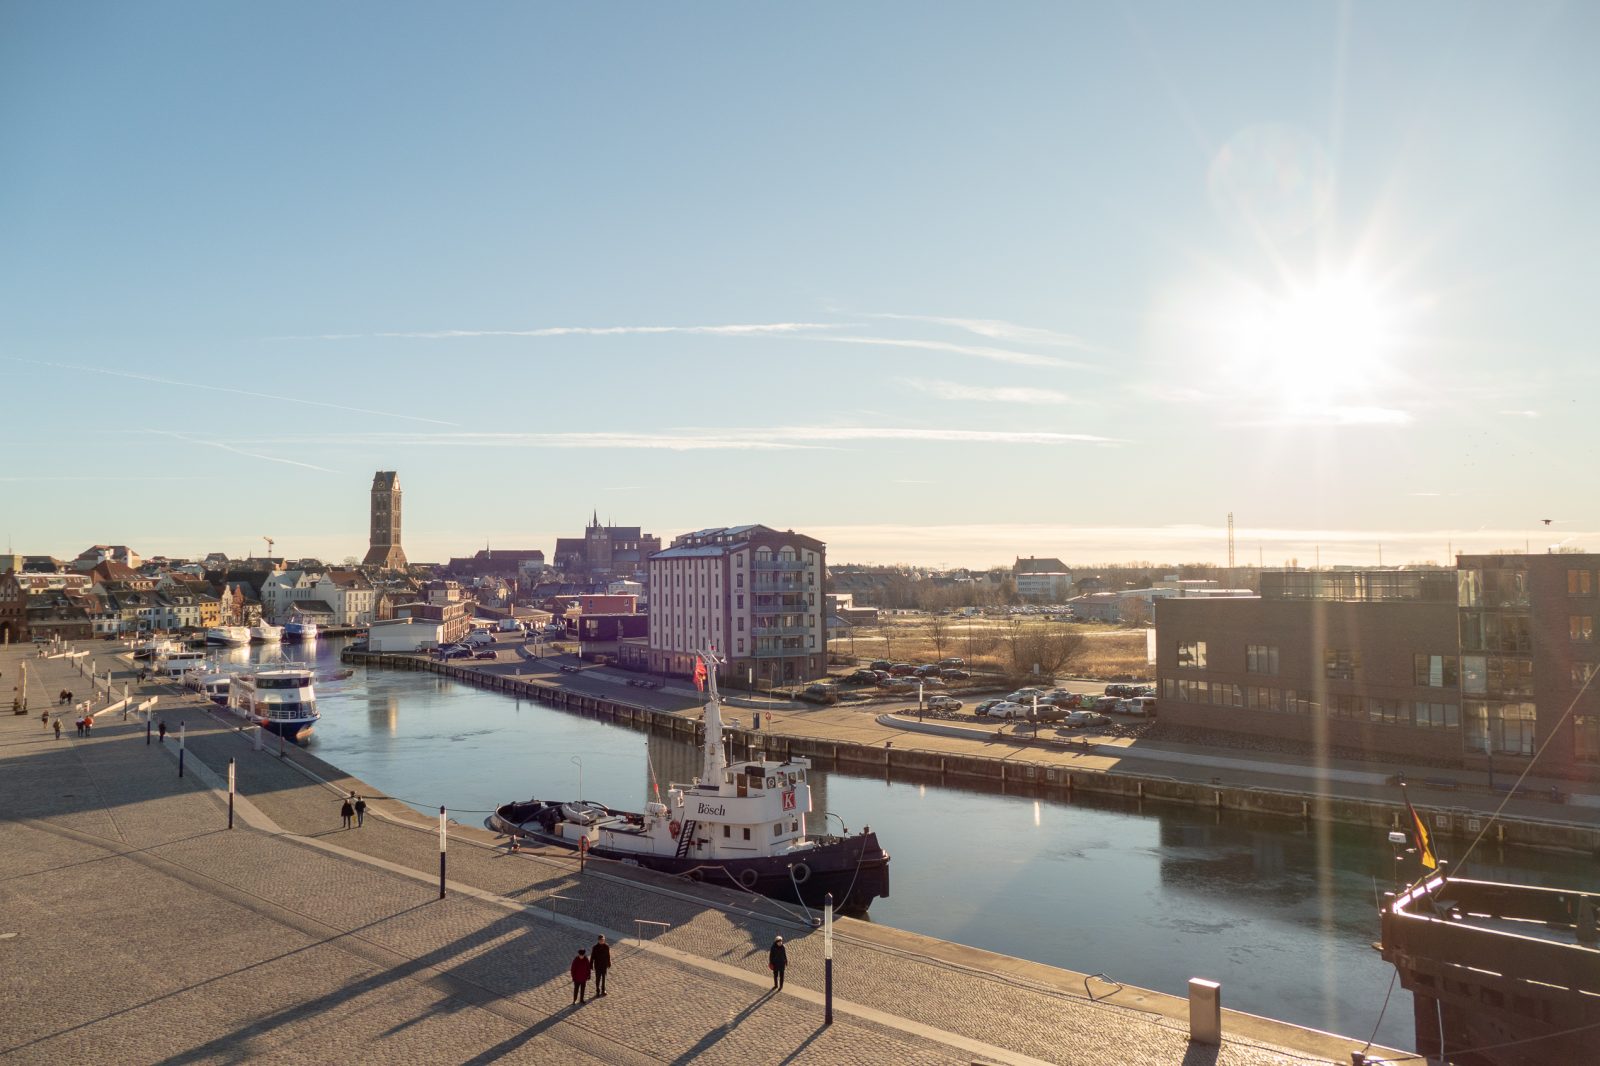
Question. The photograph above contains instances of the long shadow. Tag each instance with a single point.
(715, 1036)
(123, 853)
(512, 1043)
(799, 1048)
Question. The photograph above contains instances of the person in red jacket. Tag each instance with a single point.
(580, 977)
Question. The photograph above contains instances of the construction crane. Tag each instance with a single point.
(270, 542)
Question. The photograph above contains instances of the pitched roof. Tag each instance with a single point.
(1032, 565)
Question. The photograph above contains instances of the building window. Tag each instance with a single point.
(1435, 671)
(1586, 738)
(1581, 673)
(738, 561)
(739, 602)
(1192, 655)
(1340, 664)
(1261, 659)
(738, 581)
(1341, 705)
(1510, 677)
(1505, 729)
(1388, 712)
(1580, 627)
(1578, 582)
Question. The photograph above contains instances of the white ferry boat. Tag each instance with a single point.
(154, 647)
(737, 825)
(278, 698)
(210, 684)
(180, 662)
(265, 634)
(229, 635)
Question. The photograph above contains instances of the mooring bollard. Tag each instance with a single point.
(1205, 1011)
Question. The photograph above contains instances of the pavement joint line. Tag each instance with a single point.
(857, 1010)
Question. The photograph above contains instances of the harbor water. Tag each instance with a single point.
(1282, 913)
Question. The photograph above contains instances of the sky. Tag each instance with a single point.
(937, 283)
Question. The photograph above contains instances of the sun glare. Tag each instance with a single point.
(1312, 347)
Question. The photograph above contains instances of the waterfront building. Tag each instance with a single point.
(1042, 580)
(1477, 667)
(605, 551)
(751, 592)
(384, 549)
(94, 555)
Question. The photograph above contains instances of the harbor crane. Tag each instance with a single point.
(270, 543)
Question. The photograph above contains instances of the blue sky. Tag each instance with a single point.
(937, 283)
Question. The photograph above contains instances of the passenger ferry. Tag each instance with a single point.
(741, 826)
(212, 685)
(154, 647)
(178, 663)
(278, 698)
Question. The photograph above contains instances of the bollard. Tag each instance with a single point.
(147, 731)
(827, 960)
(441, 852)
(230, 793)
(1205, 1011)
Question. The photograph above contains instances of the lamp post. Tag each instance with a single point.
(919, 701)
(827, 960)
(441, 851)
(230, 793)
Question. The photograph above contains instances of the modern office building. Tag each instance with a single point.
(384, 549)
(752, 593)
(1479, 667)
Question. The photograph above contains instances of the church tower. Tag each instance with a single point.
(384, 548)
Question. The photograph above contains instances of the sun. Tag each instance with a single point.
(1313, 346)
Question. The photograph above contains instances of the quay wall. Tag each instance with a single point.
(1015, 775)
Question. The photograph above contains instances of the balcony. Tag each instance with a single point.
(777, 564)
(787, 607)
(779, 653)
(781, 631)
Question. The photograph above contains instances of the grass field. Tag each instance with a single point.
(1108, 651)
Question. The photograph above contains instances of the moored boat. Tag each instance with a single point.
(154, 647)
(212, 685)
(232, 636)
(279, 698)
(299, 628)
(739, 825)
(265, 634)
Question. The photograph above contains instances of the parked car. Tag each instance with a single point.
(1047, 712)
(1007, 709)
(903, 669)
(862, 677)
(1081, 719)
(931, 670)
(982, 708)
(1125, 690)
(951, 673)
(1107, 703)
(931, 682)
(954, 660)
(879, 664)
(944, 703)
(1059, 697)
(455, 652)
(487, 653)
(898, 684)
(1143, 706)
(1025, 695)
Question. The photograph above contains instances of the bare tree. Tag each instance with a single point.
(1048, 648)
(938, 632)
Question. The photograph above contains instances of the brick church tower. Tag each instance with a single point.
(384, 550)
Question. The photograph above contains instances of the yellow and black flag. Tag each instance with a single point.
(1419, 832)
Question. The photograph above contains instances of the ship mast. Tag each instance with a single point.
(711, 769)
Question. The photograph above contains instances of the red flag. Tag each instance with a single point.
(699, 673)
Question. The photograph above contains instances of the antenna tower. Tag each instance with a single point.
(1230, 540)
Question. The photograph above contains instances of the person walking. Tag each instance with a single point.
(600, 956)
(161, 727)
(777, 961)
(44, 719)
(346, 811)
(580, 977)
(58, 729)
(361, 812)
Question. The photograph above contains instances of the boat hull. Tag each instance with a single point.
(855, 870)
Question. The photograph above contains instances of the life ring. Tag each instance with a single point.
(800, 872)
(674, 827)
(747, 878)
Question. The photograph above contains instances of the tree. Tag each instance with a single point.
(938, 632)
(1049, 647)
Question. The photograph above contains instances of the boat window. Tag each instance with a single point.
(794, 827)
(747, 832)
(744, 789)
(777, 829)
(727, 831)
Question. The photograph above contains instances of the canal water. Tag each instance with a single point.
(1150, 895)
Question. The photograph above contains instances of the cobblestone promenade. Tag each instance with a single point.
(136, 928)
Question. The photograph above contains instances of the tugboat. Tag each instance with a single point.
(278, 698)
(741, 825)
(299, 627)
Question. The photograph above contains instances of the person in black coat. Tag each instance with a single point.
(777, 961)
(600, 959)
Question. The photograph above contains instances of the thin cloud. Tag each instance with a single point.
(1520, 414)
(239, 451)
(770, 438)
(733, 330)
(954, 390)
(999, 355)
(995, 329)
(224, 388)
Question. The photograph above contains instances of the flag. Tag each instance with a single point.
(1419, 832)
(699, 673)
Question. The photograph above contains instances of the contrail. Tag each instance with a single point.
(224, 388)
(238, 451)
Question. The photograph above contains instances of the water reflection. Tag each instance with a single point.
(1279, 911)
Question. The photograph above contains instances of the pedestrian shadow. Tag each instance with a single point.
(512, 1043)
(715, 1036)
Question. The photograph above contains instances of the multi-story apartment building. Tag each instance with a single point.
(1042, 580)
(751, 593)
(1479, 667)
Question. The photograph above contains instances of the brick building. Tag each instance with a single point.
(1478, 667)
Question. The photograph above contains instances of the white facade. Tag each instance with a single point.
(404, 635)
